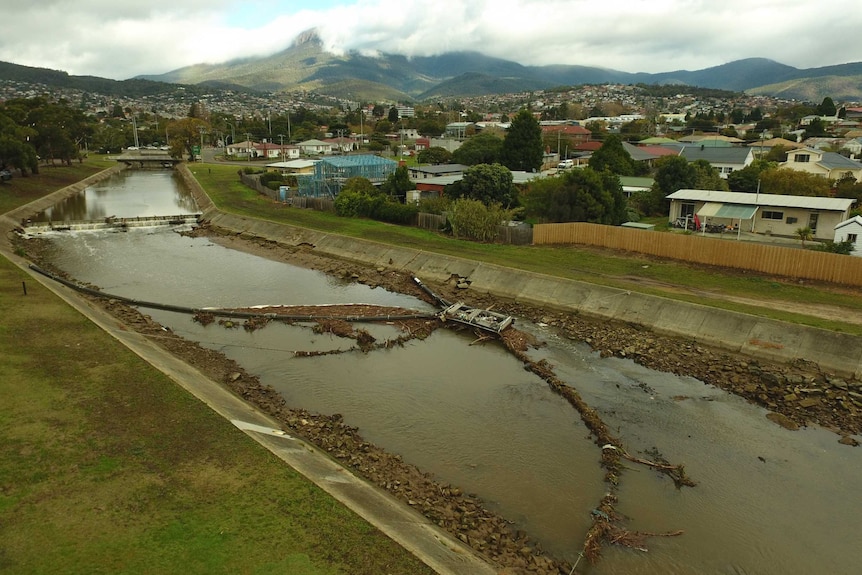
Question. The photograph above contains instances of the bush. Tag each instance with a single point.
(353, 204)
(474, 220)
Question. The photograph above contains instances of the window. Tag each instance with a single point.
(802, 158)
(686, 210)
(767, 215)
(852, 238)
(791, 220)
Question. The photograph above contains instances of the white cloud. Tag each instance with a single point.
(120, 40)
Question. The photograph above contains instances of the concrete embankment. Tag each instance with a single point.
(738, 332)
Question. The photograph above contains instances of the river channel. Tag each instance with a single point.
(768, 500)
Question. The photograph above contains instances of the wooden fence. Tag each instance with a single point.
(768, 259)
(433, 222)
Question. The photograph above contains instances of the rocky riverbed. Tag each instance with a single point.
(796, 395)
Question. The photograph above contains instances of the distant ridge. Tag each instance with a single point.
(306, 65)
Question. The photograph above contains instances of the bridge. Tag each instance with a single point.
(109, 223)
(148, 159)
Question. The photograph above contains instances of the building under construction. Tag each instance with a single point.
(330, 173)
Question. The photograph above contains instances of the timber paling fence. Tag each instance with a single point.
(773, 260)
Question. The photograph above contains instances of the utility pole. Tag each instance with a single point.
(281, 138)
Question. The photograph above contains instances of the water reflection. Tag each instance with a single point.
(125, 195)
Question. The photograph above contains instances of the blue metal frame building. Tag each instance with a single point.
(331, 173)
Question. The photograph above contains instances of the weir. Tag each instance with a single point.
(112, 222)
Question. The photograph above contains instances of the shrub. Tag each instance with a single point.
(474, 220)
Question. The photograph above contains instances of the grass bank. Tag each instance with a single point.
(676, 280)
(107, 466)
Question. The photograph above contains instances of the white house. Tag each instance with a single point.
(851, 230)
(315, 147)
(762, 213)
(830, 165)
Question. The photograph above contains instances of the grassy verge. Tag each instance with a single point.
(23, 190)
(671, 279)
(106, 466)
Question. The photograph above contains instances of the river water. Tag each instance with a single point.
(768, 500)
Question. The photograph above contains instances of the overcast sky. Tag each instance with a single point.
(120, 39)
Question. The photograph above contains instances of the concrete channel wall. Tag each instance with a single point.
(755, 336)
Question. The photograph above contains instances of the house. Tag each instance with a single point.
(342, 145)
(831, 165)
(648, 154)
(270, 150)
(850, 231)
(426, 172)
(315, 148)
(633, 185)
(459, 129)
(293, 166)
(243, 149)
(772, 214)
(767, 145)
(566, 134)
(725, 160)
(711, 140)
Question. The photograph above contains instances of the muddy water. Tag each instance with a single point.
(768, 500)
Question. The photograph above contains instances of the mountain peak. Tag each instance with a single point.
(310, 36)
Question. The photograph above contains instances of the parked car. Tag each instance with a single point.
(5, 175)
(566, 164)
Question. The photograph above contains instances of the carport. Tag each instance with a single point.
(719, 210)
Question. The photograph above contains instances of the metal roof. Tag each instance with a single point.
(770, 200)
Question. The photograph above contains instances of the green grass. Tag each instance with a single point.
(666, 278)
(23, 190)
(107, 466)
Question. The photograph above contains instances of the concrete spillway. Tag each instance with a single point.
(35, 229)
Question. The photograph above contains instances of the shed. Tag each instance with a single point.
(850, 230)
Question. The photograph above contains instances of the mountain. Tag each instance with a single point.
(305, 65)
(134, 88)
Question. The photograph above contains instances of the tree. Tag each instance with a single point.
(815, 129)
(434, 155)
(748, 178)
(612, 156)
(707, 177)
(522, 149)
(487, 183)
(393, 115)
(184, 134)
(480, 149)
(804, 234)
(848, 187)
(398, 183)
(578, 196)
(826, 107)
(673, 173)
(791, 182)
